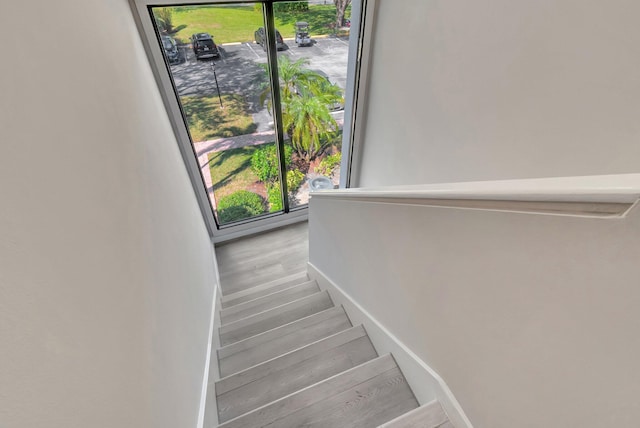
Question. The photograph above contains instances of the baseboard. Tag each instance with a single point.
(426, 384)
(259, 226)
(208, 417)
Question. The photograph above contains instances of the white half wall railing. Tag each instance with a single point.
(517, 301)
(607, 195)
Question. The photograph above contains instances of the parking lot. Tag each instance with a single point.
(238, 70)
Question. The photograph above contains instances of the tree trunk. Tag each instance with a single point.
(341, 8)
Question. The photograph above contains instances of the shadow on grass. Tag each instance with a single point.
(177, 29)
(232, 167)
(207, 120)
(320, 20)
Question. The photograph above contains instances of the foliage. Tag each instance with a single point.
(274, 196)
(306, 97)
(294, 78)
(298, 6)
(274, 193)
(264, 162)
(237, 23)
(295, 178)
(207, 121)
(164, 19)
(309, 123)
(341, 8)
(231, 171)
(239, 205)
(329, 164)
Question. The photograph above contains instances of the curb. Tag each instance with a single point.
(321, 36)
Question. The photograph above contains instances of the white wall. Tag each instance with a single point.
(497, 89)
(531, 320)
(106, 269)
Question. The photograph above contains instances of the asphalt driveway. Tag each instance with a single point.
(239, 71)
(238, 68)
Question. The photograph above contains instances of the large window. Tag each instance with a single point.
(260, 91)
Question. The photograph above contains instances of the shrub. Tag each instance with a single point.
(298, 6)
(294, 179)
(264, 162)
(239, 205)
(164, 19)
(274, 195)
(329, 164)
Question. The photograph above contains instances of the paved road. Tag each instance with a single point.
(239, 71)
(239, 66)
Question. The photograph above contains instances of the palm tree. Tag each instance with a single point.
(308, 122)
(306, 97)
(293, 77)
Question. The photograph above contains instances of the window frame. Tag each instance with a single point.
(362, 12)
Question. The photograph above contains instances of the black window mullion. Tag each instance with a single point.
(272, 55)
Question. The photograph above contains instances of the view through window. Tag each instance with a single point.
(217, 56)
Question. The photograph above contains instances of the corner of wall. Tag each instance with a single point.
(208, 417)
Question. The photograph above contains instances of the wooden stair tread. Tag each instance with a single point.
(375, 390)
(273, 343)
(235, 282)
(273, 244)
(269, 381)
(430, 415)
(262, 260)
(263, 289)
(289, 358)
(269, 301)
(275, 317)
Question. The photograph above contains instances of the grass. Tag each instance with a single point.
(231, 171)
(207, 121)
(238, 23)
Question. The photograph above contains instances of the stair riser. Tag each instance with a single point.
(276, 317)
(430, 415)
(263, 290)
(375, 400)
(269, 336)
(268, 302)
(289, 358)
(306, 400)
(292, 378)
(277, 346)
(248, 279)
(303, 353)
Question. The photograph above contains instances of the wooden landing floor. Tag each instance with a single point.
(245, 262)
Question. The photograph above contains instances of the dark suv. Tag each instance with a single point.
(261, 39)
(203, 46)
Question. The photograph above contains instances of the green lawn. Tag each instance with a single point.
(238, 23)
(231, 171)
(207, 121)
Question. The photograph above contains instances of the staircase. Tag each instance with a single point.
(289, 357)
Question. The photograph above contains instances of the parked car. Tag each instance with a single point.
(261, 38)
(203, 46)
(171, 50)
